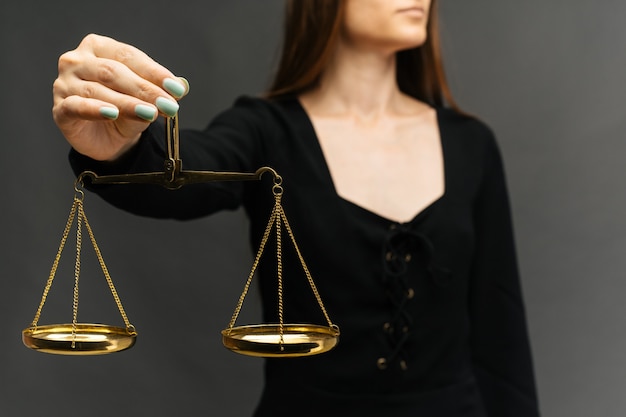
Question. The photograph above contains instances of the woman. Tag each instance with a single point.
(399, 204)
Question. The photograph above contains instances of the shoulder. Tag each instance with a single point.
(263, 106)
(465, 125)
(259, 111)
(245, 107)
(467, 133)
(470, 143)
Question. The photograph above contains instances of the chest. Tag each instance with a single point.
(394, 168)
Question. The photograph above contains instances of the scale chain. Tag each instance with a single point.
(279, 269)
(279, 217)
(55, 264)
(79, 243)
(255, 265)
(107, 276)
(306, 270)
(77, 211)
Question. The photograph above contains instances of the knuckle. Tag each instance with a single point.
(107, 73)
(60, 110)
(88, 91)
(124, 53)
(58, 87)
(56, 112)
(90, 40)
(145, 91)
(68, 60)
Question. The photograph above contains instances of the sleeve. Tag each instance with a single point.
(501, 352)
(231, 142)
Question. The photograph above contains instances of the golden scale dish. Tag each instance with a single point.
(262, 340)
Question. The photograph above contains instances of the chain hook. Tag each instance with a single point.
(78, 186)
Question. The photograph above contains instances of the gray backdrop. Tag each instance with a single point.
(546, 75)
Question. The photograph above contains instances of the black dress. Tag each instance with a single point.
(431, 312)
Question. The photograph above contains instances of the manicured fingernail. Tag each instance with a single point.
(167, 106)
(109, 112)
(184, 81)
(145, 112)
(174, 87)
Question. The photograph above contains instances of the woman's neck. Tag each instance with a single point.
(357, 83)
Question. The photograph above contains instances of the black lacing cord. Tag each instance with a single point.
(398, 251)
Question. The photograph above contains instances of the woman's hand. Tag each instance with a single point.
(107, 93)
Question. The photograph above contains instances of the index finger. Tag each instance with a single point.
(137, 61)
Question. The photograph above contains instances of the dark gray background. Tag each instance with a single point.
(546, 75)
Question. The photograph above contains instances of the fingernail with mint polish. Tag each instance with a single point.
(109, 112)
(175, 87)
(144, 112)
(186, 83)
(167, 106)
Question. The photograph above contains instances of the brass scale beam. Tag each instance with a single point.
(173, 176)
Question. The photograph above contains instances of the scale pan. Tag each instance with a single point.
(264, 340)
(89, 339)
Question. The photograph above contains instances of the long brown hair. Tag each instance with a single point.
(311, 31)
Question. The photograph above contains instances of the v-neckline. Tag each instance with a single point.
(317, 147)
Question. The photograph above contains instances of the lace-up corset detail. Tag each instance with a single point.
(402, 247)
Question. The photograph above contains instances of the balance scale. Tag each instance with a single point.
(262, 340)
